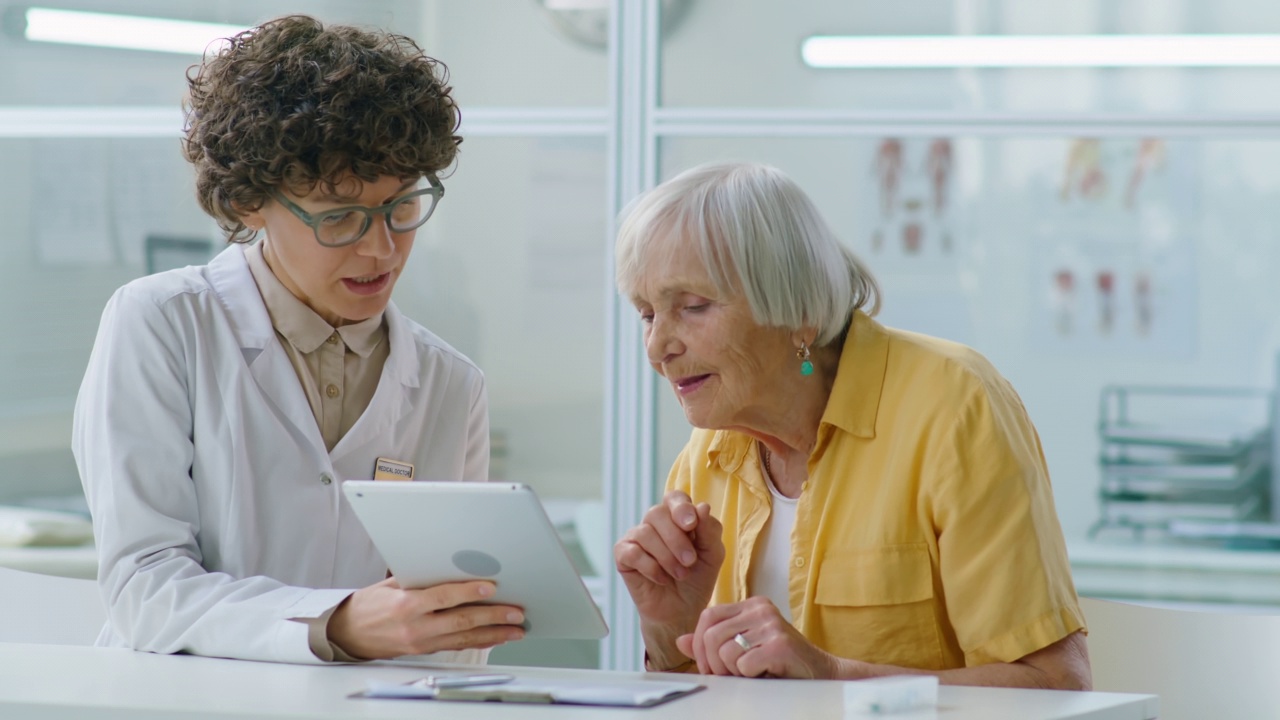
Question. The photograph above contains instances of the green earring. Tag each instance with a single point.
(806, 367)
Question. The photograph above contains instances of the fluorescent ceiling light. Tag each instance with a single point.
(576, 4)
(1041, 51)
(125, 31)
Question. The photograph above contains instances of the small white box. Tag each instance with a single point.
(893, 694)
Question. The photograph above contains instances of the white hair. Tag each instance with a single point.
(757, 233)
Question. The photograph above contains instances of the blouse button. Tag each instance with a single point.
(332, 339)
(799, 562)
(332, 391)
(325, 479)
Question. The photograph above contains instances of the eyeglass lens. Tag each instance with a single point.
(405, 214)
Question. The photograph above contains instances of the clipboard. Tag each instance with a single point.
(533, 691)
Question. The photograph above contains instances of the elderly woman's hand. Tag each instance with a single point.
(669, 563)
(770, 646)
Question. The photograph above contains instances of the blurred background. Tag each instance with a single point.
(1101, 225)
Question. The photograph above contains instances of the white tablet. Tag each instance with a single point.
(437, 532)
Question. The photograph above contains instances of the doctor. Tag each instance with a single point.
(224, 404)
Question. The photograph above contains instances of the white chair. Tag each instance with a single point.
(37, 608)
(1203, 665)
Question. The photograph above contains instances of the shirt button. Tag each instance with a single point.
(332, 391)
(799, 562)
(325, 479)
(332, 339)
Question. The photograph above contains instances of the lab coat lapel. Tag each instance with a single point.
(266, 360)
(392, 400)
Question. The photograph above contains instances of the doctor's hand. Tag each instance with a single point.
(770, 646)
(385, 620)
(669, 563)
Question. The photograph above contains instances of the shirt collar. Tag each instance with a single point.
(855, 395)
(362, 337)
(300, 325)
(728, 449)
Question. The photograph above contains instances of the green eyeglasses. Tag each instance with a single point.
(345, 225)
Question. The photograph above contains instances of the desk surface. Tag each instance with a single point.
(50, 681)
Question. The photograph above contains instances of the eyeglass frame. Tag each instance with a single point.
(436, 191)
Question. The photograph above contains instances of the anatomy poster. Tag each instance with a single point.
(910, 219)
(1113, 260)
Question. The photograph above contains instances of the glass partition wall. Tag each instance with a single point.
(1102, 234)
(510, 270)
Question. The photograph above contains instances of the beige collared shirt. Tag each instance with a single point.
(338, 369)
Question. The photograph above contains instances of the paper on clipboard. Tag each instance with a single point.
(639, 693)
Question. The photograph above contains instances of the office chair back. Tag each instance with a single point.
(1202, 664)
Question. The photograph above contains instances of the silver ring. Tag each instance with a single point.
(742, 641)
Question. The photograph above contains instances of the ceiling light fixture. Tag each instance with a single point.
(1040, 51)
(132, 32)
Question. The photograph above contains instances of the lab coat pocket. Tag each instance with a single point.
(876, 604)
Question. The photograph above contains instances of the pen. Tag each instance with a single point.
(451, 681)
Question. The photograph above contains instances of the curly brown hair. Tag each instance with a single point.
(296, 104)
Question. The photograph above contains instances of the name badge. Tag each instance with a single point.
(387, 469)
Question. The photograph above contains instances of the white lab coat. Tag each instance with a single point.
(217, 512)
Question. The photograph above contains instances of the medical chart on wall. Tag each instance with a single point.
(1113, 251)
(910, 231)
(909, 216)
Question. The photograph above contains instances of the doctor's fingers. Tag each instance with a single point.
(475, 626)
(460, 628)
(446, 595)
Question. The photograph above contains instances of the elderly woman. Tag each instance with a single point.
(855, 500)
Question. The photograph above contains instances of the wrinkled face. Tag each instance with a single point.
(723, 366)
(344, 284)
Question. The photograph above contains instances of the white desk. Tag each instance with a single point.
(49, 681)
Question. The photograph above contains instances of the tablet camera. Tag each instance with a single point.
(474, 562)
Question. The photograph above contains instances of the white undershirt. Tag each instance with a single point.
(770, 574)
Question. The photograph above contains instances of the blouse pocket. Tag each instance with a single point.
(876, 604)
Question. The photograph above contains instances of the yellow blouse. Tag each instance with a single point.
(926, 535)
